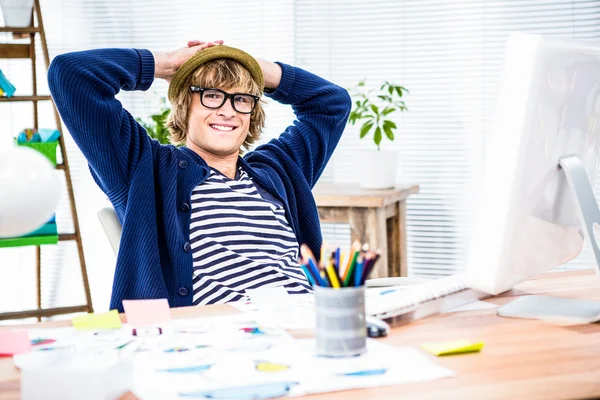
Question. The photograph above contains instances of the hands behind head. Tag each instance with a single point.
(166, 64)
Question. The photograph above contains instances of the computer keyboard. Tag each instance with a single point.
(400, 304)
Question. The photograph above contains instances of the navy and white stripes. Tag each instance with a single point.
(240, 241)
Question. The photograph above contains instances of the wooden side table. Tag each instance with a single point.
(377, 217)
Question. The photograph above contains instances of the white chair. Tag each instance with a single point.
(111, 225)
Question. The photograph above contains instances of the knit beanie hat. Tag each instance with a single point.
(212, 53)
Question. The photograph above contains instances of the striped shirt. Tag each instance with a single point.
(240, 241)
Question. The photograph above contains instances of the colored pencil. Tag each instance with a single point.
(358, 270)
(338, 269)
(309, 275)
(333, 277)
(350, 271)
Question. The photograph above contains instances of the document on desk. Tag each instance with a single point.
(287, 369)
(275, 306)
(381, 365)
(219, 357)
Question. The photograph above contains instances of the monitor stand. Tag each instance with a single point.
(587, 207)
(556, 308)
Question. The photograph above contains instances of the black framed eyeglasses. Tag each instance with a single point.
(243, 103)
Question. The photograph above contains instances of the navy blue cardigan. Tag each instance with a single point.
(150, 184)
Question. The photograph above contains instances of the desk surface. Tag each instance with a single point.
(352, 195)
(521, 358)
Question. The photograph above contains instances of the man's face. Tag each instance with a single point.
(219, 131)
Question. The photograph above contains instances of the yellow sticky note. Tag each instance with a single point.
(451, 348)
(109, 320)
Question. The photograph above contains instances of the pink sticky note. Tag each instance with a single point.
(14, 343)
(147, 312)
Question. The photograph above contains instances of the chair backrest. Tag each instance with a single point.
(111, 225)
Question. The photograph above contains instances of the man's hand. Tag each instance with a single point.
(166, 64)
(271, 72)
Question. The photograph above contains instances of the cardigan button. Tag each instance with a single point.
(183, 164)
(187, 247)
(183, 291)
(185, 207)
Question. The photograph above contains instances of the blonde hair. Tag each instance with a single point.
(224, 74)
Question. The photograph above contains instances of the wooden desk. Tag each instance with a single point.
(377, 217)
(521, 358)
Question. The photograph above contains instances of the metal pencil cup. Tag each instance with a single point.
(340, 330)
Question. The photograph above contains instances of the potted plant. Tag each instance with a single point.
(374, 110)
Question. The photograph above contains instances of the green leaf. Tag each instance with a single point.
(377, 136)
(373, 105)
(365, 129)
(389, 123)
(156, 127)
(388, 132)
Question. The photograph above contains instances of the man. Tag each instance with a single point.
(200, 223)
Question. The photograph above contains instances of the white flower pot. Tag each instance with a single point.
(378, 169)
(16, 13)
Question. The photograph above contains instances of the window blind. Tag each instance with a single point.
(449, 54)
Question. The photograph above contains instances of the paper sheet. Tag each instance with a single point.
(274, 306)
(108, 320)
(288, 369)
(452, 348)
(147, 312)
(226, 353)
(14, 343)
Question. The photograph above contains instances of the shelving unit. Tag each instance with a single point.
(28, 51)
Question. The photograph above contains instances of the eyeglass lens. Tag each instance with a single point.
(215, 98)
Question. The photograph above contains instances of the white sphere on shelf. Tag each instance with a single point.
(29, 190)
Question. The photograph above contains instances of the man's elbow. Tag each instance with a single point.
(345, 103)
(56, 66)
(60, 69)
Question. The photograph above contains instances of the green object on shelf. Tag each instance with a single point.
(29, 241)
(46, 148)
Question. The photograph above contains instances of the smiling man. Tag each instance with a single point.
(201, 224)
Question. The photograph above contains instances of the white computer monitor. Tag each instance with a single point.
(528, 218)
